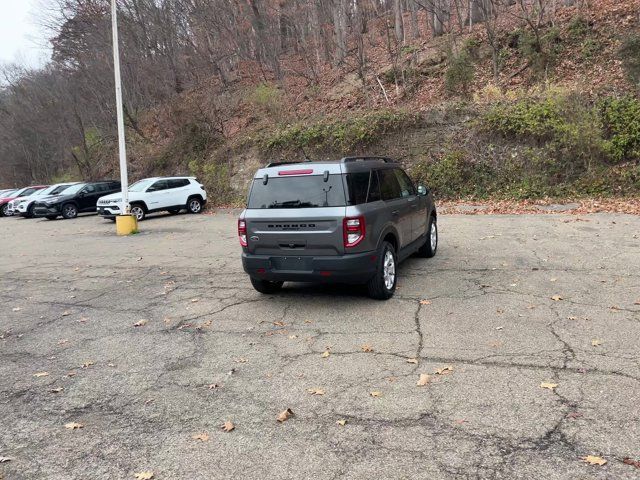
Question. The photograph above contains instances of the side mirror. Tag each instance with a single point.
(422, 190)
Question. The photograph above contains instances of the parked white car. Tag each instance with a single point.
(158, 194)
(24, 206)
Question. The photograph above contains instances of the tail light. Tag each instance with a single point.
(353, 231)
(242, 232)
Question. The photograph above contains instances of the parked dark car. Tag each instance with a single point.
(76, 199)
(350, 221)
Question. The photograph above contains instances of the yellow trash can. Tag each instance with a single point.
(126, 224)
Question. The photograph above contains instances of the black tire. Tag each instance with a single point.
(29, 213)
(194, 205)
(428, 250)
(138, 211)
(51, 217)
(69, 211)
(264, 286)
(377, 286)
(4, 211)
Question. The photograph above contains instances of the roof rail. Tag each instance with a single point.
(367, 158)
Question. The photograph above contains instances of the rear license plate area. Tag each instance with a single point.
(290, 263)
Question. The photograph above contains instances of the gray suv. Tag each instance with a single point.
(349, 221)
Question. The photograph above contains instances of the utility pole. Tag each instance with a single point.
(125, 223)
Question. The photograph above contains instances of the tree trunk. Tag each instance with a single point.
(399, 23)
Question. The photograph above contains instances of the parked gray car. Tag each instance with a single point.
(349, 221)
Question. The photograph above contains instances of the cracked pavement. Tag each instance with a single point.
(71, 292)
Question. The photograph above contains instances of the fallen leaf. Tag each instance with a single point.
(499, 328)
(574, 415)
(148, 475)
(87, 364)
(425, 302)
(284, 415)
(548, 385)
(412, 360)
(375, 394)
(342, 423)
(73, 425)
(16, 309)
(66, 313)
(203, 437)
(5, 459)
(228, 426)
(423, 380)
(630, 461)
(444, 370)
(325, 354)
(241, 360)
(141, 323)
(366, 348)
(63, 341)
(315, 391)
(291, 337)
(553, 279)
(213, 386)
(636, 302)
(41, 374)
(594, 460)
(556, 298)
(279, 324)
(56, 390)
(195, 300)
(595, 342)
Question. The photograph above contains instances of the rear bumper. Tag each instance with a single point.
(354, 268)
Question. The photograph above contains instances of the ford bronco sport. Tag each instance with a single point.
(350, 221)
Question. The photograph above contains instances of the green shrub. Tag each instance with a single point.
(542, 51)
(630, 56)
(268, 97)
(339, 134)
(621, 123)
(216, 176)
(579, 27)
(459, 74)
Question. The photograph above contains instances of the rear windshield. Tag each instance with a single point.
(309, 191)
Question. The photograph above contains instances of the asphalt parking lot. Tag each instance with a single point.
(509, 305)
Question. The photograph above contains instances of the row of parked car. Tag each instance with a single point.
(67, 200)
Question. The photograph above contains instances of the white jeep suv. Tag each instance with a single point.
(170, 194)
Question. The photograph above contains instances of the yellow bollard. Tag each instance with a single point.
(126, 224)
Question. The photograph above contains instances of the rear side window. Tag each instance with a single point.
(178, 182)
(308, 191)
(389, 185)
(363, 187)
(358, 186)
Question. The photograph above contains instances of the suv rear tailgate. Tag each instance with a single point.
(295, 231)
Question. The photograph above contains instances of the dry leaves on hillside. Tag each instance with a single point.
(228, 426)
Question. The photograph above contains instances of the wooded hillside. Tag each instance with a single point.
(511, 98)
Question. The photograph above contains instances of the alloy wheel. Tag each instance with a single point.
(389, 270)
